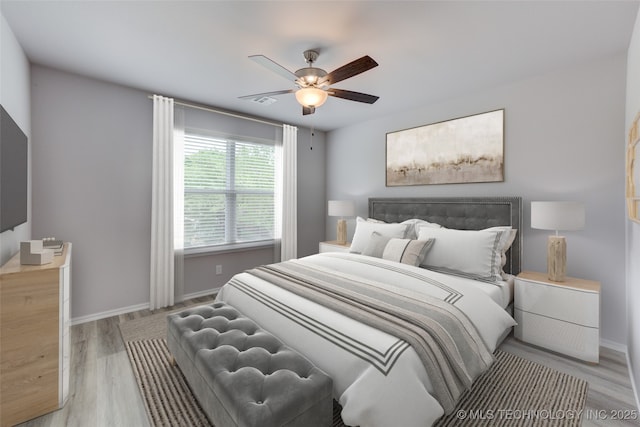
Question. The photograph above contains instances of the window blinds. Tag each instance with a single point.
(228, 191)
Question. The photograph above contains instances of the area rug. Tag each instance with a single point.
(148, 327)
(514, 392)
(518, 392)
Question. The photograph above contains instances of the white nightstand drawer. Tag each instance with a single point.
(561, 303)
(566, 338)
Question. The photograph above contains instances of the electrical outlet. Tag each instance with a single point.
(218, 269)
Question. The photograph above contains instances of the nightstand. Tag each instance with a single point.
(559, 316)
(333, 246)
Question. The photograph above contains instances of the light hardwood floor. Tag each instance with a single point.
(104, 392)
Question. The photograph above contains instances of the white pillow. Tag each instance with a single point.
(475, 254)
(414, 224)
(376, 221)
(364, 229)
(506, 241)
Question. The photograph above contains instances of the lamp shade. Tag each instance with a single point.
(557, 215)
(342, 208)
(311, 96)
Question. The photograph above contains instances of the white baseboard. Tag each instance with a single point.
(613, 345)
(200, 294)
(108, 313)
(137, 307)
(623, 349)
(633, 382)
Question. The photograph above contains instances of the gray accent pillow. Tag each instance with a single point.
(375, 246)
(407, 251)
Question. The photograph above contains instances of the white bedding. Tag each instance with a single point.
(501, 292)
(378, 379)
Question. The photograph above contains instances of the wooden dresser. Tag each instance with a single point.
(34, 337)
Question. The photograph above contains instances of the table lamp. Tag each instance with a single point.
(557, 216)
(341, 208)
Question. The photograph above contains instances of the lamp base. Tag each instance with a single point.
(341, 232)
(556, 258)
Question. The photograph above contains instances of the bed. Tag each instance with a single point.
(354, 314)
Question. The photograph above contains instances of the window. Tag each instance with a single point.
(228, 192)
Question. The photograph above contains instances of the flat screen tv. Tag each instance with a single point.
(13, 173)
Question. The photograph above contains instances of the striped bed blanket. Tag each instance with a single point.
(401, 343)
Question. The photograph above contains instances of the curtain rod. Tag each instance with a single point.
(226, 113)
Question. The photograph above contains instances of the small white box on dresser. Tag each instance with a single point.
(33, 253)
(559, 316)
(333, 246)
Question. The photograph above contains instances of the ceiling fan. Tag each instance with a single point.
(314, 84)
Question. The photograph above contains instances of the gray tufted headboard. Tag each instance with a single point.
(463, 213)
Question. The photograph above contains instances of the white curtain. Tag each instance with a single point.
(166, 206)
(289, 202)
(178, 202)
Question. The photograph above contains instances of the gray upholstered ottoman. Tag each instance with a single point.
(244, 376)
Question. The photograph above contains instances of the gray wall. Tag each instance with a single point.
(92, 184)
(311, 190)
(14, 97)
(633, 228)
(562, 142)
(92, 146)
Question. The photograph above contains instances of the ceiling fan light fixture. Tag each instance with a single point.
(311, 96)
(309, 76)
(314, 84)
(311, 80)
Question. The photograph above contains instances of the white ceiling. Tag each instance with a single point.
(427, 50)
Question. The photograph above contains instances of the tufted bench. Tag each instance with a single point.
(244, 376)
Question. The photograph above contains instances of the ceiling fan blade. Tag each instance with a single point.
(353, 96)
(351, 69)
(258, 95)
(274, 66)
(308, 110)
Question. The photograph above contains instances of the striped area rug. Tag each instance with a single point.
(518, 392)
(514, 392)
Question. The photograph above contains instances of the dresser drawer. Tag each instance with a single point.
(558, 302)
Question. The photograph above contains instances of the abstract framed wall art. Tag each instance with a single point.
(462, 150)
